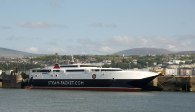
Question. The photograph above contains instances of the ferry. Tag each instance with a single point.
(88, 77)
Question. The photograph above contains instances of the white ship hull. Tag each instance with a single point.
(86, 78)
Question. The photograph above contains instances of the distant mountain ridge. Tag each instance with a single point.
(151, 51)
(144, 51)
(185, 52)
(4, 52)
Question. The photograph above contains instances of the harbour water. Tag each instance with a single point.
(23, 100)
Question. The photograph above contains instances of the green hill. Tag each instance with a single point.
(4, 52)
(144, 51)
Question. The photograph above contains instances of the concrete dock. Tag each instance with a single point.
(192, 84)
(175, 83)
(12, 81)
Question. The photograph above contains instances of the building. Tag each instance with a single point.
(171, 71)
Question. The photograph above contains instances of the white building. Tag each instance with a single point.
(135, 62)
(107, 62)
(171, 71)
(176, 62)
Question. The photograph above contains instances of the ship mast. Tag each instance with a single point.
(56, 54)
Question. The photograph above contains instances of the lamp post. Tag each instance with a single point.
(56, 60)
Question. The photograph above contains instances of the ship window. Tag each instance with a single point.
(76, 70)
(96, 70)
(88, 66)
(56, 70)
(69, 66)
(41, 70)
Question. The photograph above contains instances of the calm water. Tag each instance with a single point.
(21, 100)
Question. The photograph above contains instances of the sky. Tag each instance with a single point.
(96, 26)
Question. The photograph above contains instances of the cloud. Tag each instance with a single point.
(40, 25)
(82, 46)
(47, 50)
(171, 46)
(115, 44)
(106, 49)
(171, 43)
(103, 25)
(33, 50)
(121, 40)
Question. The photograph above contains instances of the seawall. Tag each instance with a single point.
(12, 81)
(175, 83)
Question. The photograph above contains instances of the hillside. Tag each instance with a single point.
(144, 51)
(185, 52)
(4, 52)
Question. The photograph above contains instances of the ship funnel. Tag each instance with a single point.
(56, 66)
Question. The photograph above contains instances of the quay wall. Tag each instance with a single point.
(175, 83)
(192, 84)
(12, 81)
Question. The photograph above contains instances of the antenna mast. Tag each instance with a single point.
(56, 54)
